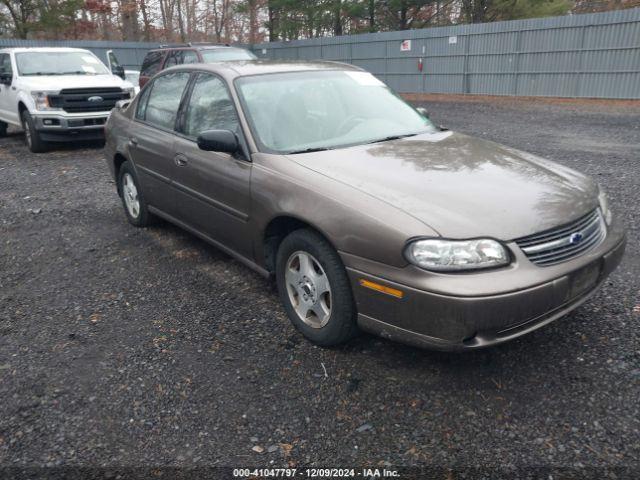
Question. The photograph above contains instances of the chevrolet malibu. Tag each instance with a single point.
(368, 216)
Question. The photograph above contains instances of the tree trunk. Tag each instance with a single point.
(145, 21)
(372, 15)
(129, 19)
(273, 22)
(337, 18)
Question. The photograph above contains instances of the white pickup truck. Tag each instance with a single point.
(57, 94)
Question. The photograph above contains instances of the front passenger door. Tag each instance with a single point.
(212, 188)
(8, 98)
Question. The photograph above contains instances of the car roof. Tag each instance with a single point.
(194, 46)
(44, 49)
(241, 68)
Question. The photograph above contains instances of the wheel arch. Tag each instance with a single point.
(277, 229)
(22, 107)
(118, 160)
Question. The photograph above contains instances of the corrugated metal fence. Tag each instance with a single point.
(593, 55)
(129, 54)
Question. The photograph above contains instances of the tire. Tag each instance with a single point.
(3, 129)
(135, 208)
(330, 317)
(31, 135)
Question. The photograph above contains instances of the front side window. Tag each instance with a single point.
(225, 54)
(151, 64)
(164, 99)
(59, 63)
(5, 64)
(297, 111)
(210, 107)
(113, 60)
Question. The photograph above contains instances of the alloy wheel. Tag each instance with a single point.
(130, 193)
(309, 289)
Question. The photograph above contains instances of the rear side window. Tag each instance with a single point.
(225, 54)
(173, 59)
(142, 103)
(151, 64)
(164, 99)
(179, 57)
(189, 56)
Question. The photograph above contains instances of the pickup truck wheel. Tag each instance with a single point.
(315, 290)
(31, 135)
(135, 208)
(3, 129)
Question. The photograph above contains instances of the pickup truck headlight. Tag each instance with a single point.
(604, 207)
(457, 255)
(131, 91)
(41, 99)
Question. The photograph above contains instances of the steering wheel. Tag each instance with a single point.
(351, 121)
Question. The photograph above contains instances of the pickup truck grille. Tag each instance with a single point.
(566, 242)
(77, 100)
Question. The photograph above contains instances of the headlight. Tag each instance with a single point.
(456, 255)
(131, 91)
(41, 99)
(604, 206)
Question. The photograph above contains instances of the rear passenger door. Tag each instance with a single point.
(212, 188)
(152, 137)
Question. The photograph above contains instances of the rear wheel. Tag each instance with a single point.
(31, 135)
(135, 208)
(3, 129)
(314, 288)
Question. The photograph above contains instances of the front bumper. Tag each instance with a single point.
(54, 127)
(465, 320)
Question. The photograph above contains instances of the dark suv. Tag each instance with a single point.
(170, 55)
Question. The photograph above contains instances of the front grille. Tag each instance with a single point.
(76, 100)
(566, 242)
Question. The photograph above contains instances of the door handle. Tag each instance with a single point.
(180, 160)
(133, 141)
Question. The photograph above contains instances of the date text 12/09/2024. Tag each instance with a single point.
(315, 473)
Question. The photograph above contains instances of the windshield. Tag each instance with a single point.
(59, 63)
(226, 54)
(302, 111)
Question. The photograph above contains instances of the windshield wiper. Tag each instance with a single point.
(308, 150)
(394, 137)
(76, 72)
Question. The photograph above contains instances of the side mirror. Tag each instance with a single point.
(118, 70)
(423, 111)
(6, 78)
(122, 104)
(218, 141)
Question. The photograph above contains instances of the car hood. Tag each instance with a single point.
(461, 186)
(58, 82)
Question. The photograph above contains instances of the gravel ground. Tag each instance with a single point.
(125, 347)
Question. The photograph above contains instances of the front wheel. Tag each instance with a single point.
(31, 135)
(314, 289)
